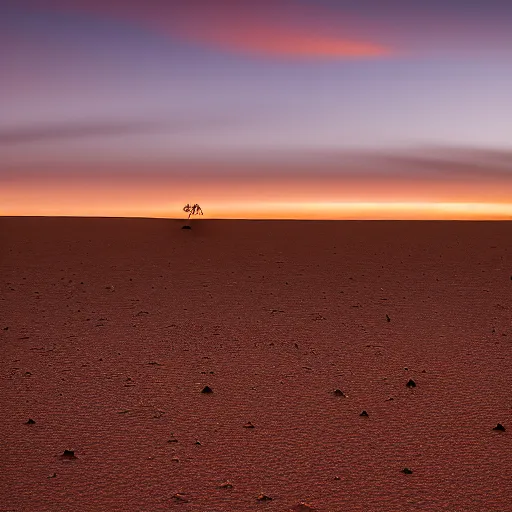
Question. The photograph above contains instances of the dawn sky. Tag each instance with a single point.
(282, 108)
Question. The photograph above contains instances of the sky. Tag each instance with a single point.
(314, 109)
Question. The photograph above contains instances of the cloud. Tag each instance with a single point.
(73, 131)
(275, 29)
(284, 42)
(105, 128)
(266, 30)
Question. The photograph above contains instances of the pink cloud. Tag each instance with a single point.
(273, 29)
(263, 29)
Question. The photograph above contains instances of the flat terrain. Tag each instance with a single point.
(110, 329)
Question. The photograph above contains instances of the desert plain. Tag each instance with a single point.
(110, 329)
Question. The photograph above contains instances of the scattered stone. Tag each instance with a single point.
(499, 428)
(207, 389)
(6, 328)
(407, 471)
(364, 414)
(198, 443)
(337, 478)
(388, 318)
(302, 507)
(226, 485)
(69, 454)
(172, 440)
(175, 459)
(338, 392)
(411, 384)
(248, 425)
(406, 369)
(158, 414)
(180, 497)
(125, 411)
(264, 497)
(52, 476)
(30, 422)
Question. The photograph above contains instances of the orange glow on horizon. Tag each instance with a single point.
(119, 193)
(286, 211)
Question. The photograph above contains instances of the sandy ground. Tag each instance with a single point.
(110, 329)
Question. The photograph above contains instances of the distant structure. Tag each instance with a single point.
(192, 210)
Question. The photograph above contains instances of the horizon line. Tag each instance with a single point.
(260, 219)
(283, 210)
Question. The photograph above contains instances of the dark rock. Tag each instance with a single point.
(499, 428)
(388, 318)
(411, 384)
(54, 475)
(30, 422)
(226, 485)
(180, 497)
(69, 454)
(207, 389)
(264, 497)
(364, 414)
(186, 227)
(338, 392)
(248, 425)
(407, 471)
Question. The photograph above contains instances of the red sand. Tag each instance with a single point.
(116, 325)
